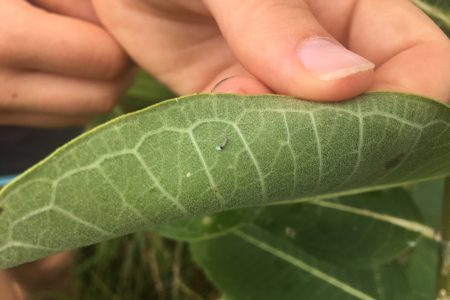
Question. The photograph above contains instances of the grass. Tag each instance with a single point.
(140, 266)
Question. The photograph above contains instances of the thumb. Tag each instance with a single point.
(282, 44)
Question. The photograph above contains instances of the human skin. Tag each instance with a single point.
(53, 274)
(9, 288)
(192, 45)
(58, 67)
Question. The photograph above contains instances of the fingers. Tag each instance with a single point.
(412, 53)
(80, 9)
(9, 287)
(243, 85)
(423, 69)
(48, 93)
(56, 70)
(41, 120)
(58, 44)
(281, 43)
(236, 80)
(52, 273)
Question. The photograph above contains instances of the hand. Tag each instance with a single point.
(291, 47)
(10, 289)
(57, 67)
(51, 274)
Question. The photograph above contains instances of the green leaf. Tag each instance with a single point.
(438, 10)
(354, 231)
(145, 91)
(200, 154)
(205, 227)
(421, 270)
(243, 264)
(348, 248)
(428, 197)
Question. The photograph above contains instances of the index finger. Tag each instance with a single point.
(31, 38)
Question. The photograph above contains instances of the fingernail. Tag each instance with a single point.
(330, 61)
(221, 82)
(223, 87)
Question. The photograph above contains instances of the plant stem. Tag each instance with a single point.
(176, 270)
(444, 274)
(154, 268)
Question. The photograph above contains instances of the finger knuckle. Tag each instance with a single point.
(115, 64)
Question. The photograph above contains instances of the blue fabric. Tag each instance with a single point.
(4, 180)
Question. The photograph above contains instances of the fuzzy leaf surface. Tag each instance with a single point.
(201, 154)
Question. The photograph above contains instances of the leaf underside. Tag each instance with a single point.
(200, 154)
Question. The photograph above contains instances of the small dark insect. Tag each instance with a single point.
(404, 257)
(394, 162)
(222, 146)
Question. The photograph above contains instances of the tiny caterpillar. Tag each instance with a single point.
(222, 146)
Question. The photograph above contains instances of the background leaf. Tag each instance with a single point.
(205, 227)
(162, 164)
(438, 10)
(347, 231)
(145, 91)
(428, 197)
(292, 252)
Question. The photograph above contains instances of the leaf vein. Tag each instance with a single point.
(302, 265)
